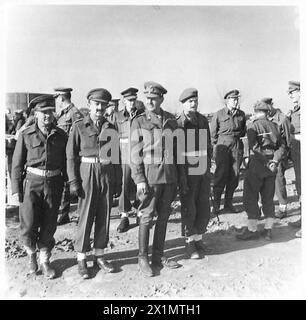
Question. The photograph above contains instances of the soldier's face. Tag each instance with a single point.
(58, 103)
(232, 103)
(97, 109)
(153, 104)
(44, 118)
(130, 104)
(190, 105)
(295, 96)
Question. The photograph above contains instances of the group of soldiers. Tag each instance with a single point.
(144, 155)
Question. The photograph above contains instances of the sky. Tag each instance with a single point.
(254, 49)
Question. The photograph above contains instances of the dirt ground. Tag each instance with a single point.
(233, 268)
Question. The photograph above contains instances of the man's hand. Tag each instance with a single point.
(272, 165)
(16, 199)
(117, 190)
(76, 190)
(142, 187)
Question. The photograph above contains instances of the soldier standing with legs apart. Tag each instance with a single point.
(227, 126)
(67, 113)
(195, 200)
(122, 122)
(155, 175)
(295, 150)
(283, 124)
(40, 154)
(94, 179)
(266, 151)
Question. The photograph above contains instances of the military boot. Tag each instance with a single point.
(143, 259)
(228, 207)
(47, 270)
(246, 234)
(123, 225)
(33, 267)
(191, 250)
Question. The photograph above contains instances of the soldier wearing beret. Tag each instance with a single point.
(227, 126)
(38, 174)
(123, 120)
(266, 151)
(283, 124)
(195, 200)
(67, 113)
(295, 130)
(155, 175)
(94, 178)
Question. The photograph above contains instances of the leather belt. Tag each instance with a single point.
(95, 160)
(197, 153)
(44, 173)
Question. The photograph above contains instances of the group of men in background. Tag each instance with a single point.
(57, 157)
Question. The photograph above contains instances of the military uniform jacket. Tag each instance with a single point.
(67, 116)
(283, 123)
(33, 149)
(225, 124)
(200, 122)
(122, 122)
(295, 117)
(85, 141)
(150, 159)
(265, 147)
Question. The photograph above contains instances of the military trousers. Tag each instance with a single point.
(228, 158)
(296, 159)
(65, 201)
(39, 209)
(195, 205)
(280, 183)
(157, 202)
(94, 206)
(258, 180)
(128, 188)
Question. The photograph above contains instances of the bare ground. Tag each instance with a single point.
(233, 268)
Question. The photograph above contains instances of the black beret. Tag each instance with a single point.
(188, 93)
(154, 89)
(293, 86)
(99, 94)
(267, 100)
(261, 106)
(232, 94)
(130, 93)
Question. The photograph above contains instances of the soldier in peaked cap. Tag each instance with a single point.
(123, 120)
(283, 123)
(266, 150)
(295, 150)
(40, 149)
(67, 113)
(227, 126)
(94, 177)
(111, 110)
(195, 200)
(154, 171)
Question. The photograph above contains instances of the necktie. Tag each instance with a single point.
(98, 125)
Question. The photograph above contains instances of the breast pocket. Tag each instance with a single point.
(37, 149)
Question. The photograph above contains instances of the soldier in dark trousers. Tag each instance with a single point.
(123, 121)
(295, 130)
(94, 178)
(40, 156)
(227, 126)
(266, 151)
(195, 200)
(155, 175)
(283, 124)
(67, 113)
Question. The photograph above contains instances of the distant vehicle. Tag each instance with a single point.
(19, 100)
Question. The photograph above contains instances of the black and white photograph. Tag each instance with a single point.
(152, 150)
